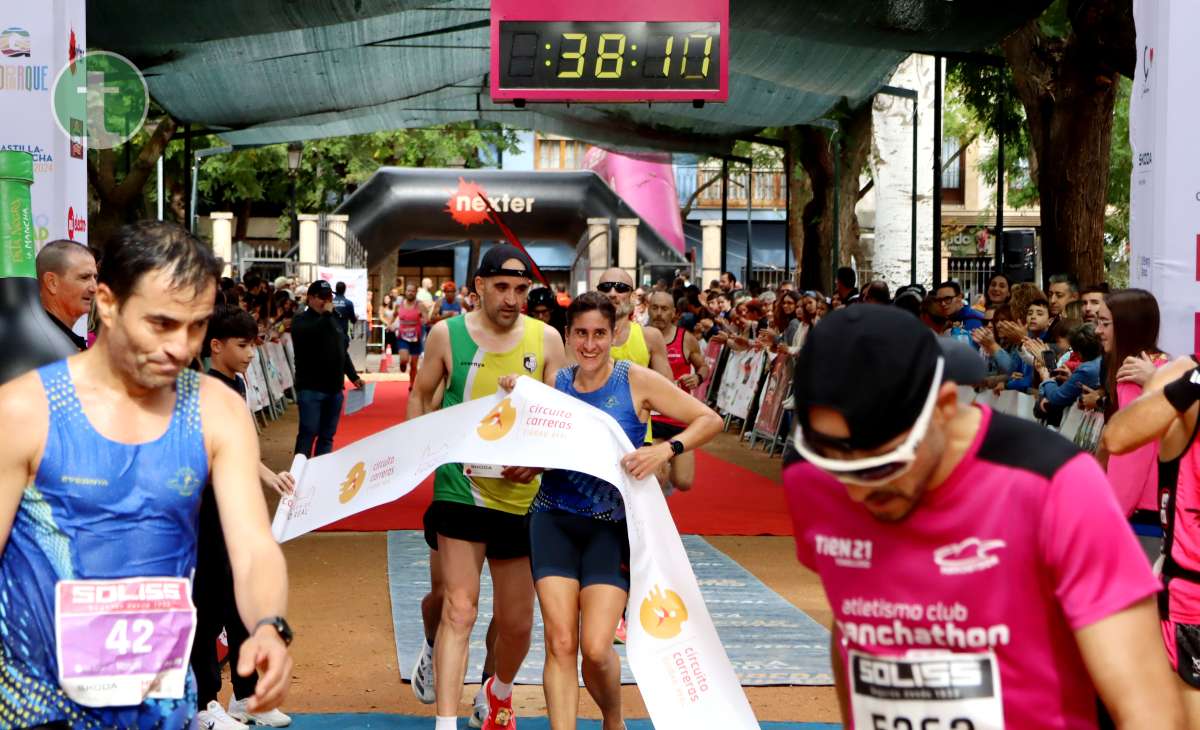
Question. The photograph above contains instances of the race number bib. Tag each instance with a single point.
(926, 692)
(125, 640)
(486, 471)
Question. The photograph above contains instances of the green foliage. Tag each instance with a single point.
(979, 101)
(1120, 169)
(1055, 22)
(329, 168)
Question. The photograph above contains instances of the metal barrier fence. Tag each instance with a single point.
(750, 389)
(334, 248)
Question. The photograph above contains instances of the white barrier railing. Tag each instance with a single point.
(753, 385)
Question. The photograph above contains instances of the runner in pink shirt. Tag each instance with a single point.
(978, 568)
(1168, 414)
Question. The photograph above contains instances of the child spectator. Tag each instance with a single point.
(1060, 389)
(1037, 319)
(230, 345)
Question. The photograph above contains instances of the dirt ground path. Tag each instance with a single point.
(345, 649)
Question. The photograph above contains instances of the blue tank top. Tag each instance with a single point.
(582, 494)
(96, 509)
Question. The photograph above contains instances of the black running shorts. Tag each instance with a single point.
(1187, 652)
(505, 535)
(664, 431)
(591, 551)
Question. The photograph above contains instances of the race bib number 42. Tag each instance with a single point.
(123, 641)
(927, 692)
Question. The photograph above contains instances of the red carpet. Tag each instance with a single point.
(726, 499)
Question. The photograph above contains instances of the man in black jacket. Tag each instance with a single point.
(321, 364)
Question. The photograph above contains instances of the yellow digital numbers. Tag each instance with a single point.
(606, 55)
(609, 56)
(576, 55)
(707, 53)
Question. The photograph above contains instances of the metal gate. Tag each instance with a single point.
(273, 259)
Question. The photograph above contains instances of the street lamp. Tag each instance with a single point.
(294, 151)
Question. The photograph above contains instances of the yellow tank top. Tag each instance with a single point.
(634, 349)
(475, 375)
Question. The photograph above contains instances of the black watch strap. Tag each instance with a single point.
(676, 447)
(280, 624)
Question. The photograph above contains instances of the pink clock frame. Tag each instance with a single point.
(610, 10)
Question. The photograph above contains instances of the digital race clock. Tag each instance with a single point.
(615, 51)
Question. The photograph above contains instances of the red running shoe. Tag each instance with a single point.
(621, 634)
(500, 712)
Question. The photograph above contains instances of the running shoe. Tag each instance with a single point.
(422, 676)
(214, 717)
(271, 718)
(480, 712)
(500, 712)
(621, 634)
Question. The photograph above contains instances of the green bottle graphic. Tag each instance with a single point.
(28, 338)
(16, 215)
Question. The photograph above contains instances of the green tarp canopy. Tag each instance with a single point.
(267, 71)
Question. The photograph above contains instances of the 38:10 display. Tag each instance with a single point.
(610, 56)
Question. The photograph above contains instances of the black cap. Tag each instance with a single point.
(874, 364)
(492, 263)
(542, 297)
(320, 288)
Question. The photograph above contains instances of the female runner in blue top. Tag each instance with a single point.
(580, 547)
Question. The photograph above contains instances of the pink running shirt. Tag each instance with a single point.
(1134, 476)
(1184, 603)
(1019, 548)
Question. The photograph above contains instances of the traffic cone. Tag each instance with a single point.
(385, 362)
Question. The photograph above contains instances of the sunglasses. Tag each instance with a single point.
(608, 286)
(874, 470)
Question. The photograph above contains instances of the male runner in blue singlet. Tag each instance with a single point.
(99, 491)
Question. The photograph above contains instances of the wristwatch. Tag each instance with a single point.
(676, 447)
(280, 624)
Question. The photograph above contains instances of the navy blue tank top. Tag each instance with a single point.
(582, 494)
(97, 509)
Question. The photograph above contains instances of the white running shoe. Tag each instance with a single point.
(214, 717)
(480, 713)
(271, 718)
(422, 676)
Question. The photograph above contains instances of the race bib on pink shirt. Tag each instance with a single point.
(123, 641)
(925, 691)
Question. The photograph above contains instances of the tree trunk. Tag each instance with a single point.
(1068, 89)
(816, 256)
(799, 194)
(856, 145)
(121, 202)
(891, 258)
(242, 221)
(812, 148)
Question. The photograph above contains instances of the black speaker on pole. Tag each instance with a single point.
(1019, 254)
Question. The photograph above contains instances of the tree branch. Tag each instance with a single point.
(691, 201)
(140, 171)
(102, 172)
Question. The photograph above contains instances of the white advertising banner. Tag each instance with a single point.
(356, 285)
(37, 39)
(674, 652)
(1164, 218)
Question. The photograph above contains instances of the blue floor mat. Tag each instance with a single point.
(769, 641)
(379, 721)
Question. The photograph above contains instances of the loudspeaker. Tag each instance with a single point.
(1019, 255)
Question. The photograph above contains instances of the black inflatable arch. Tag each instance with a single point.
(398, 204)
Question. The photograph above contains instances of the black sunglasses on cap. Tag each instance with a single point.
(607, 286)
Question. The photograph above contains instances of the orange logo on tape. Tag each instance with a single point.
(354, 481)
(498, 421)
(663, 613)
